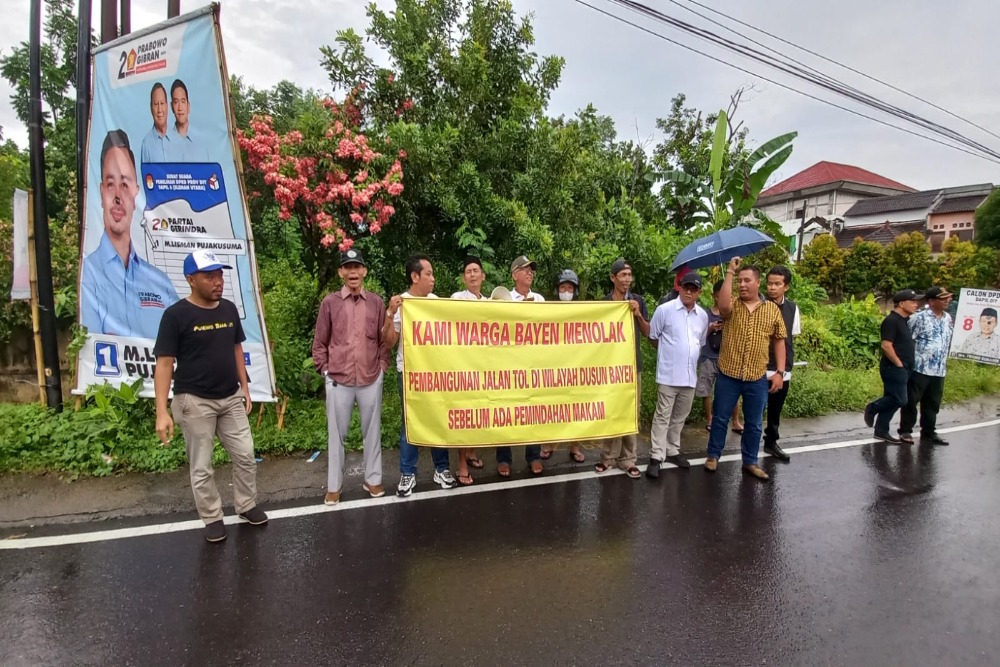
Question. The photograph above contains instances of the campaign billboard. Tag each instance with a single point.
(162, 180)
(976, 336)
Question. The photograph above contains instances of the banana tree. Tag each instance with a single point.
(730, 192)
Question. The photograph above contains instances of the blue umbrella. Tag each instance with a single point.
(720, 247)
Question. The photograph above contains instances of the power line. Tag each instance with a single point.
(835, 62)
(785, 86)
(822, 81)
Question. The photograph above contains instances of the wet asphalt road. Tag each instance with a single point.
(869, 555)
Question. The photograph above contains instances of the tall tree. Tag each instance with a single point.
(988, 221)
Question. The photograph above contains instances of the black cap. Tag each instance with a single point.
(691, 278)
(352, 256)
(471, 259)
(989, 312)
(937, 293)
(619, 265)
(906, 295)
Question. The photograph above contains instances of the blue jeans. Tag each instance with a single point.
(408, 454)
(728, 391)
(894, 395)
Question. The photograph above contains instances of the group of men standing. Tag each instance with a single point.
(742, 349)
(912, 366)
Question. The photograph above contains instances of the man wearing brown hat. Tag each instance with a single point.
(621, 452)
(931, 330)
(522, 271)
(895, 365)
(350, 352)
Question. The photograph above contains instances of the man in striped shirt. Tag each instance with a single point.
(753, 328)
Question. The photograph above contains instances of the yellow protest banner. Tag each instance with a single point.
(502, 373)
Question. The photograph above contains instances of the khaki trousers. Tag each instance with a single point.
(621, 452)
(673, 405)
(201, 420)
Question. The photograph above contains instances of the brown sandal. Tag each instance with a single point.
(475, 462)
(633, 472)
(503, 470)
(464, 480)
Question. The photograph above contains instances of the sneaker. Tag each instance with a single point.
(444, 479)
(215, 531)
(756, 471)
(889, 438)
(376, 490)
(406, 484)
(254, 516)
(331, 498)
(679, 461)
(869, 416)
(653, 469)
(711, 464)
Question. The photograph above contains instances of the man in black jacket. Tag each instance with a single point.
(779, 281)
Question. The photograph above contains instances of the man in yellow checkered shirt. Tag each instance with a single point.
(751, 328)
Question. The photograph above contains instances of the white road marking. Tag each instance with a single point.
(163, 528)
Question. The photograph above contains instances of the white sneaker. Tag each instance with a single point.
(406, 485)
(444, 479)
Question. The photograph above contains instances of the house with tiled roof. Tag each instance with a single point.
(824, 191)
(938, 214)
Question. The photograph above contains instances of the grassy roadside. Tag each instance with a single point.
(33, 440)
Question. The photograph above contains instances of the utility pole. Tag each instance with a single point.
(125, 12)
(109, 21)
(43, 256)
(82, 105)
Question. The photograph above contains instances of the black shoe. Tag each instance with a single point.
(777, 452)
(869, 416)
(653, 469)
(254, 516)
(679, 461)
(889, 438)
(215, 531)
(935, 440)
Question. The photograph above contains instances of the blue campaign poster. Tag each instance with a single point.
(162, 181)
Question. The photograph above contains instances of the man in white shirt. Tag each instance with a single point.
(677, 331)
(522, 270)
(421, 278)
(472, 276)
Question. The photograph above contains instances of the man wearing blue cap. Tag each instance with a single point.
(203, 334)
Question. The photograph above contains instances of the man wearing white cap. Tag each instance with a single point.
(203, 334)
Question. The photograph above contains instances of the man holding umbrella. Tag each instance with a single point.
(753, 328)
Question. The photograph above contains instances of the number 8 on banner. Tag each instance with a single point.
(967, 324)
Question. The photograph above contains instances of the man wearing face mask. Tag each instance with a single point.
(567, 289)
(621, 452)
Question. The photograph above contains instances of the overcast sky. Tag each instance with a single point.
(939, 52)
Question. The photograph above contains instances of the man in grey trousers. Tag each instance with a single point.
(349, 351)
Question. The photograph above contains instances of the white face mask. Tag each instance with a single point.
(565, 296)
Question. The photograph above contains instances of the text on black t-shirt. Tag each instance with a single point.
(203, 340)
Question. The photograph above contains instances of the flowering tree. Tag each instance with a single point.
(327, 176)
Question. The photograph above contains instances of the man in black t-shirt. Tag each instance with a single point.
(211, 392)
(895, 366)
(621, 452)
